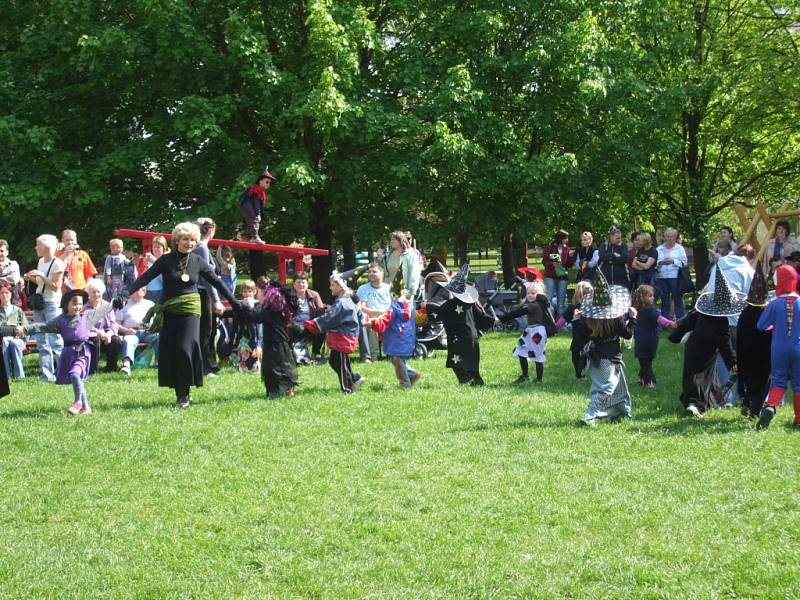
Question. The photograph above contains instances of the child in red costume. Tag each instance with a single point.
(782, 315)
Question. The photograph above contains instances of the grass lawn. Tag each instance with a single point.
(440, 492)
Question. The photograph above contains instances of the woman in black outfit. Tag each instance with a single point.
(613, 259)
(180, 360)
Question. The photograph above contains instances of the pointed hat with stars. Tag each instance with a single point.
(460, 288)
(722, 302)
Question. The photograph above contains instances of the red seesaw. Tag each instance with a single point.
(284, 253)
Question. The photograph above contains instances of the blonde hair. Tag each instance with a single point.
(185, 230)
(588, 234)
(116, 241)
(639, 294)
(250, 285)
(161, 241)
(537, 286)
(646, 239)
(600, 328)
(581, 289)
(49, 241)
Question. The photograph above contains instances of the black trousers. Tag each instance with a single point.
(340, 363)
(465, 376)
(208, 331)
(578, 362)
(252, 217)
(111, 350)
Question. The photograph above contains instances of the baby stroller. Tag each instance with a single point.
(498, 302)
(431, 336)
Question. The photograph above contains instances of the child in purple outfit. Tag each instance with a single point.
(74, 325)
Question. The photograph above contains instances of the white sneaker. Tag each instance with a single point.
(126, 369)
(358, 383)
(692, 408)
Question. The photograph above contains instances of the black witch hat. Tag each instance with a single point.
(722, 302)
(757, 295)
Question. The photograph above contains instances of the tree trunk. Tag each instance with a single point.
(701, 262)
(258, 266)
(460, 251)
(322, 231)
(348, 252)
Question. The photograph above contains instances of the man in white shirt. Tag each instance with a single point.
(375, 298)
(132, 328)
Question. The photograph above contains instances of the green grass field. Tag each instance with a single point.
(438, 492)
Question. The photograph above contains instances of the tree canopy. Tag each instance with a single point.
(466, 122)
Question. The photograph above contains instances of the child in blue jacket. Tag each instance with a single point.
(399, 329)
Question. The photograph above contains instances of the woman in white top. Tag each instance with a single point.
(671, 257)
(48, 277)
(779, 248)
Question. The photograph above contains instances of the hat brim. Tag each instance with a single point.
(470, 294)
(72, 294)
(620, 303)
(705, 305)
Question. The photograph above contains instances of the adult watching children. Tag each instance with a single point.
(613, 259)
(105, 336)
(46, 299)
(558, 258)
(78, 266)
(671, 257)
(375, 298)
(12, 316)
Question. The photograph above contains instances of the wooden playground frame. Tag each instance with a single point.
(750, 221)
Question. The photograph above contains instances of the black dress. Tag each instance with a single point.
(753, 355)
(462, 322)
(278, 367)
(180, 363)
(710, 336)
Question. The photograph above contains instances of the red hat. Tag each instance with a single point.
(785, 280)
(266, 175)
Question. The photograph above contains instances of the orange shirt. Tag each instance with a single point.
(80, 268)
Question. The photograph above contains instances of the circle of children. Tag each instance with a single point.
(741, 337)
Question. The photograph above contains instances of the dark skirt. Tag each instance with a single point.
(180, 362)
(278, 368)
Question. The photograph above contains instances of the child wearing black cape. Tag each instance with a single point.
(463, 318)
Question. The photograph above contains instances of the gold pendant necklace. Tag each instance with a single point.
(184, 264)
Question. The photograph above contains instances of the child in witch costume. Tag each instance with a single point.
(782, 315)
(532, 343)
(75, 325)
(708, 324)
(603, 310)
(580, 333)
(462, 318)
(278, 367)
(340, 325)
(251, 205)
(753, 348)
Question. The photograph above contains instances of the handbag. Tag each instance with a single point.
(685, 283)
(36, 300)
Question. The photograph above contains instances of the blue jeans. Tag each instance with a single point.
(557, 288)
(49, 345)
(12, 357)
(131, 341)
(669, 291)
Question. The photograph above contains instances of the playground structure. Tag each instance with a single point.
(285, 254)
(761, 220)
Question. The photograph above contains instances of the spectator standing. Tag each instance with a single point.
(725, 235)
(78, 266)
(558, 257)
(158, 247)
(115, 267)
(209, 300)
(47, 279)
(309, 307)
(586, 258)
(227, 267)
(643, 265)
(779, 248)
(613, 259)
(403, 255)
(671, 257)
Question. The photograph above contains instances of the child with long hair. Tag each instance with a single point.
(74, 325)
(532, 343)
(580, 333)
(277, 309)
(646, 332)
(603, 311)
